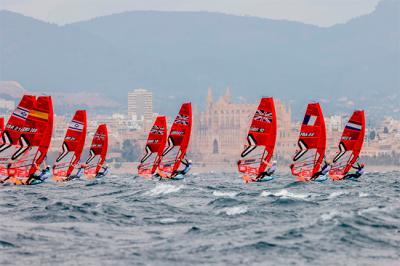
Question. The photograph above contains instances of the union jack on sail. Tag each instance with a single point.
(157, 130)
(182, 119)
(261, 115)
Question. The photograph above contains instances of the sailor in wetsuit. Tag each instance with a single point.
(359, 171)
(188, 166)
(103, 171)
(324, 170)
(269, 172)
(44, 174)
(80, 171)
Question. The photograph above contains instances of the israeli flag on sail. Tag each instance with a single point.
(21, 113)
(76, 126)
(309, 120)
(353, 126)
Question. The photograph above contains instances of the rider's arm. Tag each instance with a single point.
(185, 162)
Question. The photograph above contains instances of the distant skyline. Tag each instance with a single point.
(318, 12)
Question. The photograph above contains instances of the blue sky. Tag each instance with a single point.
(317, 12)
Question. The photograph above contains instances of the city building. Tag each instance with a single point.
(140, 105)
(219, 133)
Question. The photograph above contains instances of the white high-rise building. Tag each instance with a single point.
(140, 104)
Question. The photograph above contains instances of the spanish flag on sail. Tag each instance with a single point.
(39, 115)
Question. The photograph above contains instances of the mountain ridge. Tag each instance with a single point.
(173, 53)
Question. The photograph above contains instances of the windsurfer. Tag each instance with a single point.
(324, 170)
(271, 169)
(43, 175)
(103, 171)
(359, 171)
(188, 166)
(80, 172)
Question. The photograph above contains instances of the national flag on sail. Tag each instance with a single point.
(182, 119)
(264, 116)
(353, 126)
(21, 113)
(309, 120)
(40, 115)
(157, 130)
(76, 126)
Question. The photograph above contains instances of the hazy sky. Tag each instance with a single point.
(319, 12)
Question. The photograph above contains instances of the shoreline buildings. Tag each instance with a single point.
(219, 131)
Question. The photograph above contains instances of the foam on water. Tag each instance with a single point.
(363, 194)
(162, 189)
(236, 210)
(284, 193)
(229, 194)
(168, 220)
(335, 194)
(332, 215)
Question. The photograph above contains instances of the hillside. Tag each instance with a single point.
(180, 54)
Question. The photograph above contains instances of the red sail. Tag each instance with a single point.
(98, 151)
(312, 143)
(260, 140)
(154, 147)
(44, 116)
(1, 124)
(350, 144)
(36, 129)
(14, 143)
(178, 141)
(72, 146)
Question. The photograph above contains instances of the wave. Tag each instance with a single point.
(336, 194)
(285, 194)
(163, 189)
(229, 194)
(330, 215)
(168, 220)
(236, 210)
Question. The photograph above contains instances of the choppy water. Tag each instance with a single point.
(206, 219)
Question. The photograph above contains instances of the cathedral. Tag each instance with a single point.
(219, 133)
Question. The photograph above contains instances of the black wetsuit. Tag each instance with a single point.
(78, 174)
(324, 170)
(39, 177)
(269, 172)
(187, 168)
(103, 173)
(357, 174)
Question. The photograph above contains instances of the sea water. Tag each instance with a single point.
(211, 219)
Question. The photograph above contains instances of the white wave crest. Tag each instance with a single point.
(329, 216)
(162, 189)
(285, 194)
(363, 194)
(235, 210)
(335, 194)
(229, 194)
(168, 220)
